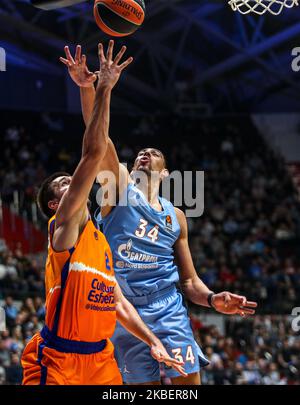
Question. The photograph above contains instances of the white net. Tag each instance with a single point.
(261, 6)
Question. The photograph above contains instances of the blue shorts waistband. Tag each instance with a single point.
(70, 346)
(149, 299)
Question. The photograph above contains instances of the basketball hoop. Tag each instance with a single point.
(261, 6)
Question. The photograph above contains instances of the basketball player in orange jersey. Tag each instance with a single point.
(83, 299)
(146, 233)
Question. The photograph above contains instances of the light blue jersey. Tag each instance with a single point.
(141, 240)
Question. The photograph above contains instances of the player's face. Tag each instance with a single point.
(60, 185)
(149, 160)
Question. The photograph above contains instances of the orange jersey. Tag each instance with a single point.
(80, 288)
(74, 346)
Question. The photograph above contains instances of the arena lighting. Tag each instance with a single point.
(54, 4)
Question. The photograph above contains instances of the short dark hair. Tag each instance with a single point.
(157, 150)
(46, 194)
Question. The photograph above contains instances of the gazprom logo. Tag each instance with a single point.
(2, 60)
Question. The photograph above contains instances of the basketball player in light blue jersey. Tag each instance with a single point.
(146, 233)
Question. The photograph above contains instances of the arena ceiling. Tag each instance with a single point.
(226, 61)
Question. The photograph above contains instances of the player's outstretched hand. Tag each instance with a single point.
(78, 69)
(111, 69)
(159, 353)
(231, 304)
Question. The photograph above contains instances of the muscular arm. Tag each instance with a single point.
(194, 289)
(110, 161)
(72, 211)
(87, 98)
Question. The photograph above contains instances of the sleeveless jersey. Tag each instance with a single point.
(80, 288)
(141, 239)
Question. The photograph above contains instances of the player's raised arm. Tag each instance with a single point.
(72, 210)
(84, 78)
(195, 290)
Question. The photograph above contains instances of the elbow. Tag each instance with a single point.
(120, 311)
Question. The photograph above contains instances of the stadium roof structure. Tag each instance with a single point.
(224, 61)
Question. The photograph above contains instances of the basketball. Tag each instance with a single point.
(119, 18)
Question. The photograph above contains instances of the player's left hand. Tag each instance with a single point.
(231, 304)
(78, 69)
(110, 67)
(159, 353)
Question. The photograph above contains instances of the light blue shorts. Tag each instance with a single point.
(167, 317)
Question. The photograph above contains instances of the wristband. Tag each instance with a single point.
(209, 299)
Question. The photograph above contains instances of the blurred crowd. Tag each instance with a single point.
(23, 320)
(263, 350)
(21, 275)
(246, 241)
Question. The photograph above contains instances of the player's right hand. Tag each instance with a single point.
(159, 353)
(78, 69)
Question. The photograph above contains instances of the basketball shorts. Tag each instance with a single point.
(46, 366)
(166, 317)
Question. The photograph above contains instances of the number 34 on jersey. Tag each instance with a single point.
(142, 231)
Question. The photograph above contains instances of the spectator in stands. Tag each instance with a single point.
(11, 311)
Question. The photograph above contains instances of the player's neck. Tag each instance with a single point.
(151, 193)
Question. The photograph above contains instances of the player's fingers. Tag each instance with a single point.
(243, 300)
(167, 359)
(78, 53)
(180, 370)
(68, 55)
(227, 299)
(83, 59)
(101, 55)
(239, 298)
(246, 311)
(110, 49)
(119, 55)
(126, 63)
(251, 304)
(65, 62)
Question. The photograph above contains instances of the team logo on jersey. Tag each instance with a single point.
(96, 235)
(135, 259)
(169, 222)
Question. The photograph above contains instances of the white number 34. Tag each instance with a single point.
(189, 355)
(142, 229)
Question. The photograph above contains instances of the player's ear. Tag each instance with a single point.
(53, 204)
(164, 174)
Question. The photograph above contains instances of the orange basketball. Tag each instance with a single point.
(119, 18)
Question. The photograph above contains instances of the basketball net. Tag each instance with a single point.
(261, 6)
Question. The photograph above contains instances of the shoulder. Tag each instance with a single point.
(180, 215)
(181, 218)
